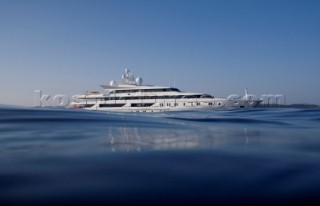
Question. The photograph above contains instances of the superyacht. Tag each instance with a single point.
(129, 95)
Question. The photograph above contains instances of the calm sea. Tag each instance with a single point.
(248, 156)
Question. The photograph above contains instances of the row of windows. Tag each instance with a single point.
(111, 105)
(184, 104)
(144, 104)
(147, 90)
(152, 97)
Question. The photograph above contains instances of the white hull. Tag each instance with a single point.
(167, 105)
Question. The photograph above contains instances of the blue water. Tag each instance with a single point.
(249, 156)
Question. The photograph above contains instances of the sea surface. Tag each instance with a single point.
(246, 156)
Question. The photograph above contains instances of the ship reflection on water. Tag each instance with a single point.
(137, 139)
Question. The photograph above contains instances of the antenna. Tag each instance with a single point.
(130, 79)
(246, 95)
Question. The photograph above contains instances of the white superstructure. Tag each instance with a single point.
(129, 95)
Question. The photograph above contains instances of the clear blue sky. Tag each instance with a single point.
(215, 46)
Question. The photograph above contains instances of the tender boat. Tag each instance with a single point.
(129, 95)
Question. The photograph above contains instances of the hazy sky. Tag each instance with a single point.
(216, 46)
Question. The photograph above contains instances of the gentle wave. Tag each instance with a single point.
(232, 120)
(255, 156)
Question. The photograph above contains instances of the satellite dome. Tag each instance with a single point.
(113, 83)
(139, 81)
